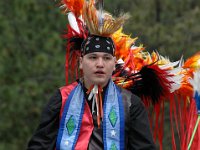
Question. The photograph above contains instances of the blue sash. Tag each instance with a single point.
(113, 119)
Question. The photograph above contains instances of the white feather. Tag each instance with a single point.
(175, 70)
(181, 62)
(176, 82)
(174, 87)
(62, 6)
(72, 22)
(195, 82)
(169, 65)
(176, 78)
(133, 47)
(120, 61)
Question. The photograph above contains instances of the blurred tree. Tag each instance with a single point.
(168, 26)
(31, 66)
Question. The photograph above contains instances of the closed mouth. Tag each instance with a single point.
(99, 72)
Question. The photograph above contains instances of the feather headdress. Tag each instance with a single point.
(150, 76)
(86, 18)
(99, 22)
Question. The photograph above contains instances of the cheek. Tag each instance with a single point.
(85, 68)
(113, 66)
(80, 66)
(111, 69)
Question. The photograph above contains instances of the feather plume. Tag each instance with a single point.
(195, 82)
(109, 25)
(100, 5)
(74, 6)
(152, 83)
(176, 76)
(72, 22)
(193, 62)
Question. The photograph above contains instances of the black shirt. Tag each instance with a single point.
(137, 131)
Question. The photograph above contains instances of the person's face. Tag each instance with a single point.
(97, 68)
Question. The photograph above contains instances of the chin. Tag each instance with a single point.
(101, 82)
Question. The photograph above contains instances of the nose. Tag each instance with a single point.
(100, 63)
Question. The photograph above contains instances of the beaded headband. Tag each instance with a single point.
(96, 43)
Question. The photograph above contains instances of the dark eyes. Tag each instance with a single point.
(107, 58)
(93, 57)
(104, 58)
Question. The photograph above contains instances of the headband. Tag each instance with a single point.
(94, 43)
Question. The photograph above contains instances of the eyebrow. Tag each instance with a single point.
(104, 55)
(107, 55)
(92, 54)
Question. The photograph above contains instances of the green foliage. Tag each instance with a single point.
(32, 54)
(169, 27)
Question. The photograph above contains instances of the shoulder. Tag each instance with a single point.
(66, 90)
(129, 97)
(69, 87)
(56, 99)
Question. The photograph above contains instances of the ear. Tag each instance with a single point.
(115, 63)
(80, 62)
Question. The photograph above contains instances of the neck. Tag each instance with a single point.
(87, 85)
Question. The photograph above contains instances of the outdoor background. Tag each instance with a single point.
(32, 53)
